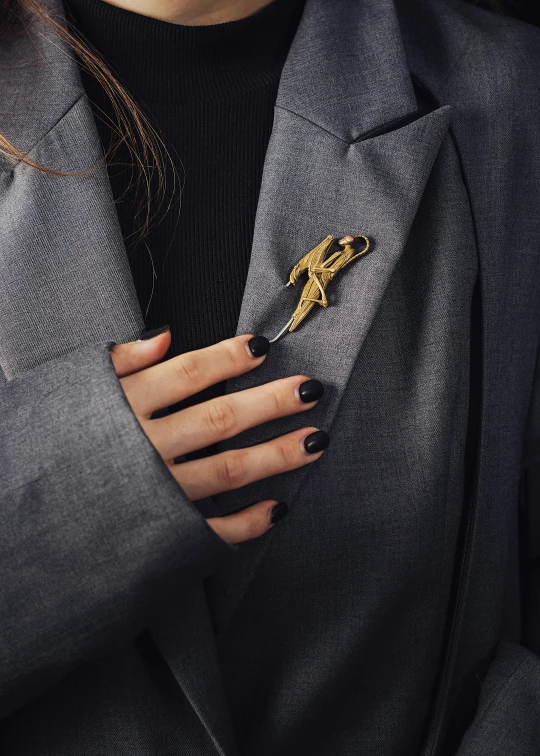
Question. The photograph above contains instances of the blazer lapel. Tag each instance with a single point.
(64, 275)
(314, 185)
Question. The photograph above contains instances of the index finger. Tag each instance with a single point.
(175, 379)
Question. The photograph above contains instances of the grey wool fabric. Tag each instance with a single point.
(395, 611)
(91, 537)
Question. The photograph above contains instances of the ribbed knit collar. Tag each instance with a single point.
(162, 61)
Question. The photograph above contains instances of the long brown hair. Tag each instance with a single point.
(130, 126)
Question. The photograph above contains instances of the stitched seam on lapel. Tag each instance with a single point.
(316, 125)
(397, 123)
(42, 137)
(382, 130)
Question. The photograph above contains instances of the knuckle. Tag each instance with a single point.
(230, 471)
(187, 370)
(221, 418)
(277, 400)
(288, 455)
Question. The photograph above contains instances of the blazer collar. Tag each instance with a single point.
(346, 71)
(341, 73)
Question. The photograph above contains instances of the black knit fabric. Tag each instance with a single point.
(210, 90)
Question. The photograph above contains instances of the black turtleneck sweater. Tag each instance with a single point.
(210, 91)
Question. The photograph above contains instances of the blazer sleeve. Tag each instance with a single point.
(508, 716)
(94, 529)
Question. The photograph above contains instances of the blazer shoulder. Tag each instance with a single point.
(462, 53)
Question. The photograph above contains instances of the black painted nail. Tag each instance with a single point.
(258, 346)
(278, 512)
(316, 442)
(146, 335)
(310, 391)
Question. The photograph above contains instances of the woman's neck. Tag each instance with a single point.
(193, 12)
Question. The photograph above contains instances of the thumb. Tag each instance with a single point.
(135, 355)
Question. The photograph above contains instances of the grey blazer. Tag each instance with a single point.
(395, 611)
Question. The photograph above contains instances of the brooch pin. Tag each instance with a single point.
(321, 270)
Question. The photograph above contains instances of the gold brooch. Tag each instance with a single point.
(321, 270)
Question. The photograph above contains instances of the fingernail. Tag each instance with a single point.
(310, 391)
(147, 335)
(258, 346)
(278, 512)
(316, 442)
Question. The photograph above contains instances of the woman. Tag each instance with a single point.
(149, 606)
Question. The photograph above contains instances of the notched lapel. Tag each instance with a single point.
(316, 184)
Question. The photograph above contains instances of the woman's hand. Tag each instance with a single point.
(150, 386)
